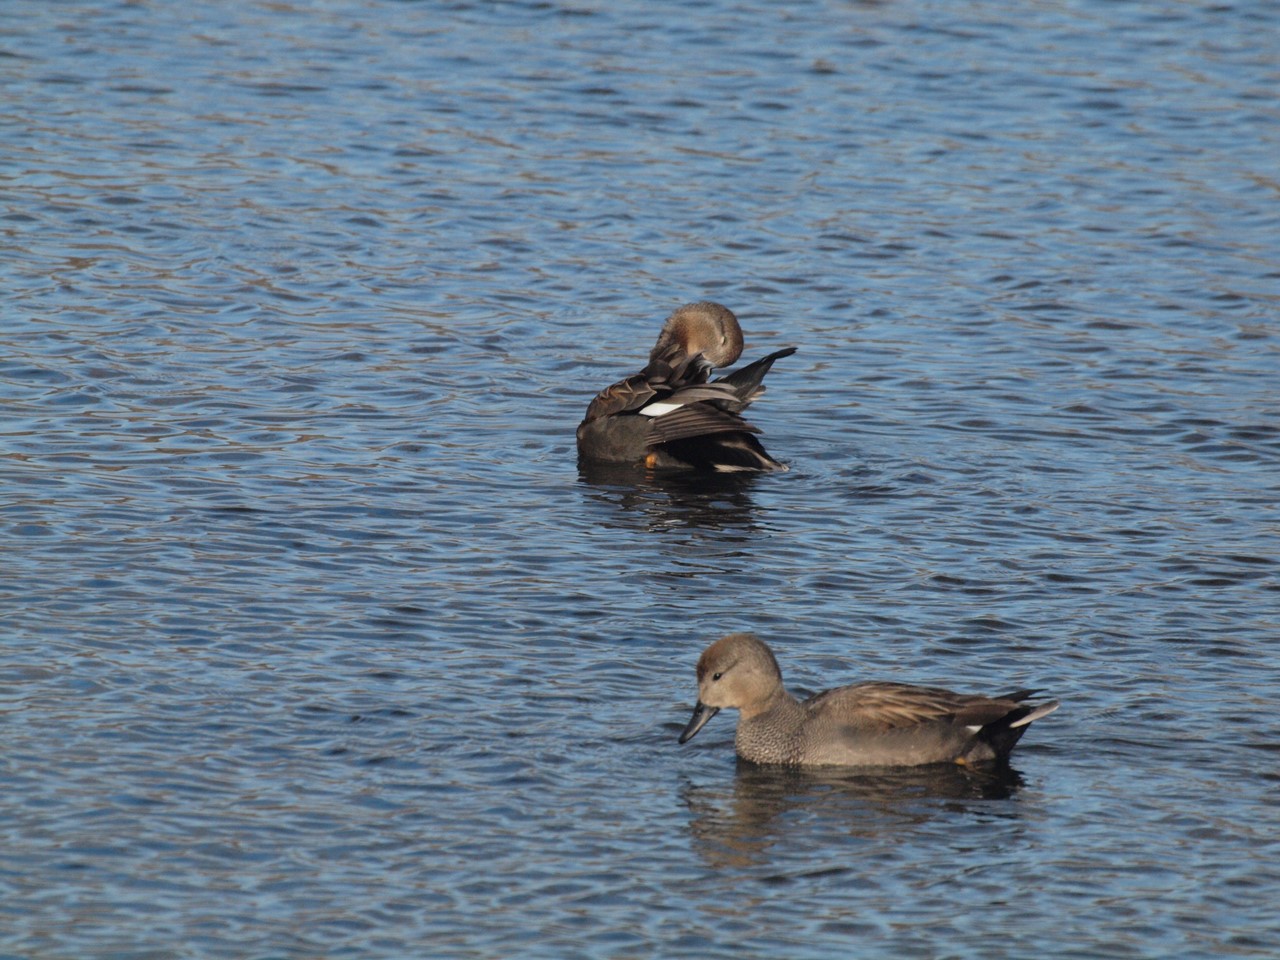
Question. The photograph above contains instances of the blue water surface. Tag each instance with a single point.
(315, 641)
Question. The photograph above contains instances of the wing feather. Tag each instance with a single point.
(629, 394)
(697, 420)
(882, 706)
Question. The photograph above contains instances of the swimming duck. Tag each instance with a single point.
(668, 416)
(873, 723)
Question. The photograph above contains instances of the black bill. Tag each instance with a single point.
(701, 714)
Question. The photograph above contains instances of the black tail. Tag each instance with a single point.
(1002, 735)
(725, 453)
(746, 382)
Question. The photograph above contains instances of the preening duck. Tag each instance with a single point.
(670, 416)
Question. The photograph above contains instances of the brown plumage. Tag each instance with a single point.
(669, 415)
(874, 723)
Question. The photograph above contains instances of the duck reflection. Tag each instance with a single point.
(735, 826)
(655, 501)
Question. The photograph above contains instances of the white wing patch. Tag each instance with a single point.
(658, 409)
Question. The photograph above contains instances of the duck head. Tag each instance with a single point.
(704, 328)
(739, 672)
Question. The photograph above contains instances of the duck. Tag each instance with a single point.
(868, 724)
(669, 416)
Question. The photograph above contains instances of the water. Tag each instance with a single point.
(317, 644)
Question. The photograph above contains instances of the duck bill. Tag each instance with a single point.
(701, 714)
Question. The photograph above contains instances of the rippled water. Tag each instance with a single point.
(316, 642)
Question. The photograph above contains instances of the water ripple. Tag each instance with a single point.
(319, 643)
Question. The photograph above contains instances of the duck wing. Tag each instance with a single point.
(883, 706)
(629, 394)
(663, 377)
(694, 420)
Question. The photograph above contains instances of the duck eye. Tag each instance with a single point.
(716, 676)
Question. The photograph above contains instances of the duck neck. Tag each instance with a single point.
(767, 733)
(779, 702)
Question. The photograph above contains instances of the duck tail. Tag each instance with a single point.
(737, 452)
(746, 383)
(1001, 735)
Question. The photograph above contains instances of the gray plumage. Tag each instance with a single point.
(874, 723)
